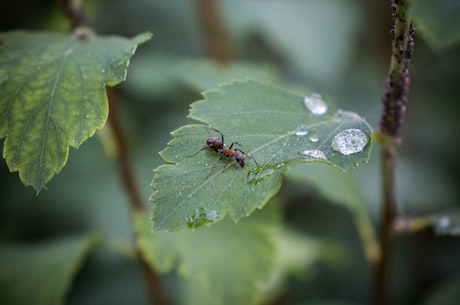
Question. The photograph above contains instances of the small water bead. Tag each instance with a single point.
(315, 104)
(258, 174)
(350, 141)
(314, 138)
(302, 130)
(315, 154)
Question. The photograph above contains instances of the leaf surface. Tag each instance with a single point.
(41, 274)
(228, 263)
(52, 96)
(273, 127)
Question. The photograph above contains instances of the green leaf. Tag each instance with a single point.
(297, 255)
(52, 96)
(228, 262)
(201, 74)
(438, 22)
(342, 188)
(41, 273)
(446, 292)
(276, 130)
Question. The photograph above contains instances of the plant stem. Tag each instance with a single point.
(394, 105)
(73, 10)
(218, 42)
(154, 288)
(387, 215)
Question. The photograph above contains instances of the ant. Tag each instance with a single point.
(218, 145)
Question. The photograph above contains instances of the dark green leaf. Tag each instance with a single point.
(342, 188)
(228, 262)
(274, 127)
(202, 74)
(438, 22)
(446, 293)
(41, 274)
(52, 96)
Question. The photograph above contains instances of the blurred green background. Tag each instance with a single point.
(339, 48)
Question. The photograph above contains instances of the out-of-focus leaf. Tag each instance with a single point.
(41, 273)
(447, 293)
(438, 22)
(203, 74)
(296, 254)
(228, 261)
(313, 36)
(52, 96)
(276, 128)
(342, 188)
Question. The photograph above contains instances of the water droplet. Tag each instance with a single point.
(103, 70)
(348, 114)
(448, 225)
(258, 174)
(87, 116)
(314, 154)
(301, 131)
(315, 104)
(200, 217)
(314, 138)
(350, 141)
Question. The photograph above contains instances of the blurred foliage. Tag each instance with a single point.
(339, 48)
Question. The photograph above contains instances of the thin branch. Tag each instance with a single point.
(155, 290)
(394, 100)
(73, 10)
(394, 103)
(387, 216)
(218, 42)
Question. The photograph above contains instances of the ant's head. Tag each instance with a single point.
(240, 160)
(215, 143)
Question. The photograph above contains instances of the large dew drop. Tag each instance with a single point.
(315, 104)
(350, 141)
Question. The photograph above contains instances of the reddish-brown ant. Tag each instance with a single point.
(218, 145)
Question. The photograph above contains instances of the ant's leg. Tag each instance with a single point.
(203, 148)
(231, 145)
(215, 164)
(247, 155)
